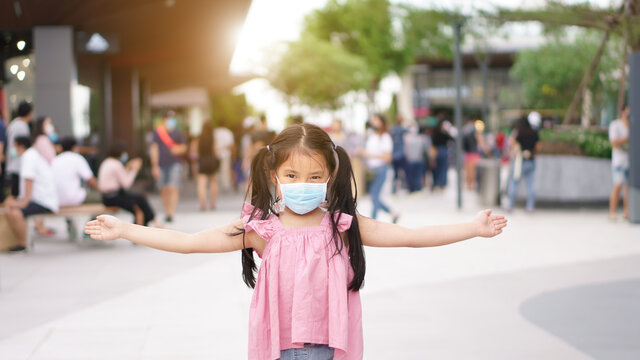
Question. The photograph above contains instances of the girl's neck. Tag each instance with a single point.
(291, 219)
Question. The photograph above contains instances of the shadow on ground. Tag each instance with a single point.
(601, 320)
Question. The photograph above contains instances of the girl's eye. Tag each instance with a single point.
(291, 176)
(315, 177)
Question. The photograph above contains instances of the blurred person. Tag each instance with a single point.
(18, 127)
(307, 288)
(473, 145)
(524, 142)
(115, 178)
(208, 166)
(3, 152)
(619, 138)
(440, 140)
(398, 160)
(416, 150)
(71, 170)
(44, 138)
(37, 194)
(377, 153)
(337, 133)
(224, 141)
(166, 152)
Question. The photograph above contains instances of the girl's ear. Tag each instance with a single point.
(275, 183)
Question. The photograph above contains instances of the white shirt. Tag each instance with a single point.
(43, 191)
(69, 169)
(16, 128)
(378, 145)
(619, 157)
(224, 141)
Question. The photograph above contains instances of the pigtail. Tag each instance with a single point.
(263, 203)
(343, 196)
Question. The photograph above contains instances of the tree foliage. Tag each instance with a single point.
(386, 37)
(550, 74)
(316, 73)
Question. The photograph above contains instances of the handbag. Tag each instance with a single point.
(7, 238)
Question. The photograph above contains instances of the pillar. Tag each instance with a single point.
(634, 137)
(124, 122)
(55, 75)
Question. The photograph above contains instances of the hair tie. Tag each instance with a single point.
(268, 149)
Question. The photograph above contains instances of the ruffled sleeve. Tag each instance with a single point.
(264, 228)
(345, 221)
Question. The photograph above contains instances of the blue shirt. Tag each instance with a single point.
(397, 136)
(3, 135)
(166, 159)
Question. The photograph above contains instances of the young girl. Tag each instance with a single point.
(302, 222)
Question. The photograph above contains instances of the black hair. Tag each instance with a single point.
(24, 109)
(383, 120)
(68, 142)
(524, 126)
(116, 149)
(206, 140)
(341, 194)
(38, 127)
(22, 141)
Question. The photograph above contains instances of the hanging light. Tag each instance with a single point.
(21, 44)
(21, 75)
(14, 69)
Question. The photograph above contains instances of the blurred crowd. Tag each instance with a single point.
(42, 172)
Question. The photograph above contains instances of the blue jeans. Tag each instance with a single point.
(442, 166)
(376, 188)
(399, 166)
(308, 352)
(415, 173)
(528, 172)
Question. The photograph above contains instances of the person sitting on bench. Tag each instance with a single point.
(71, 170)
(114, 181)
(37, 191)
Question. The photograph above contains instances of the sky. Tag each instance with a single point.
(270, 22)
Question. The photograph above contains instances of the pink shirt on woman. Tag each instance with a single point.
(113, 176)
(45, 147)
(301, 294)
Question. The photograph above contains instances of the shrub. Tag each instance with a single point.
(590, 143)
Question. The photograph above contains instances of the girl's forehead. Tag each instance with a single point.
(305, 161)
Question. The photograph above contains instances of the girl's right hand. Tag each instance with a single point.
(105, 227)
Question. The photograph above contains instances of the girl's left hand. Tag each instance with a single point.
(489, 225)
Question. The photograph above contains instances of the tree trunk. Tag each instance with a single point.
(585, 80)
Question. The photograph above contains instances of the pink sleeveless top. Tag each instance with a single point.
(301, 294)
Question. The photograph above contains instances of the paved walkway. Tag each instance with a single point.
(557, 284)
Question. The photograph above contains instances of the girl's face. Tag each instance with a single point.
(299, 167)
(376, 123)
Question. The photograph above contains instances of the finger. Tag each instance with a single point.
(92, 222)
(96, 237)
(101, 218)
(497, 217)
(487, 212)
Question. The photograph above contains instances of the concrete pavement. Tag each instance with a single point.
(557, 284)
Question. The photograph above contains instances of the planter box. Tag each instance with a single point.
(570, 179)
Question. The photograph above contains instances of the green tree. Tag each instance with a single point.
(623, 21)
(388, 38)
(550, 74)
(316, 73)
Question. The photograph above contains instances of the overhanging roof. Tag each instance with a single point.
(172, 43)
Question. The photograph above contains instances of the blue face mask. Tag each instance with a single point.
(53, 137)
(302, 198)
(124, 158)
(171, 124)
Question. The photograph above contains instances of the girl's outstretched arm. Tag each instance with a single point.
(381, 234)
(215, 240)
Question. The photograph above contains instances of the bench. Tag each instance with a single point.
(76, 217)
